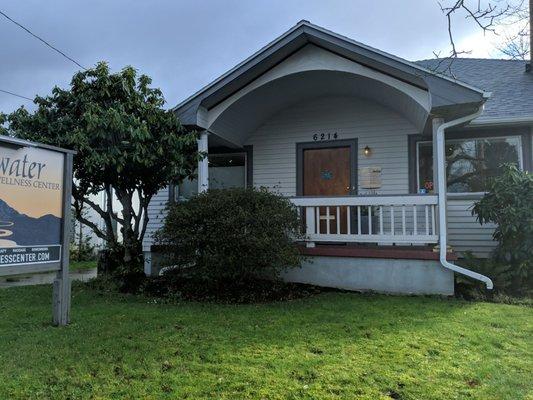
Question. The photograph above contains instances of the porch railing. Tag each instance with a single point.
(405, 219)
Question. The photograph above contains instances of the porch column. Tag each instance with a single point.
(203, 164)
(436, 122)
(438, 157)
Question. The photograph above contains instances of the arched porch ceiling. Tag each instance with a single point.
(236, 118)
(310, 48)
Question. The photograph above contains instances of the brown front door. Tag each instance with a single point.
(327, 172)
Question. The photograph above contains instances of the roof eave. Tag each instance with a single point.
(241, 64)
(351, 49)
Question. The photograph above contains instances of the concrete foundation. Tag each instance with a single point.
(398, 276)
(375, 274)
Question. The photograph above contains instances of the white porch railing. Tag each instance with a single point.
(405, 219)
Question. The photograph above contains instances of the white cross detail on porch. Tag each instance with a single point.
(327, 218)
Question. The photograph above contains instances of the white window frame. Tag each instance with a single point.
(520, 158)
(179, 198)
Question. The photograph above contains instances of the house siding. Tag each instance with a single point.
(383, 130)
(464, 232)
(156, 215)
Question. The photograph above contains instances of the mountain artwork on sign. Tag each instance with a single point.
(31, 194)
(18, 229)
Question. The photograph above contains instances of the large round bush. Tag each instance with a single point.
(231, 235)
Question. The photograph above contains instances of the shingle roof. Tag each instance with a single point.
(510, 84)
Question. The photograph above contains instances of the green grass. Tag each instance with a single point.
(82, 265)
(334, 345)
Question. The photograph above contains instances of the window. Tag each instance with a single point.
(225, 171)
(470, 163)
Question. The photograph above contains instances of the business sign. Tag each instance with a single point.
(35, 196)
(31, 205)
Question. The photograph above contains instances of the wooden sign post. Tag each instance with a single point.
(35, 216)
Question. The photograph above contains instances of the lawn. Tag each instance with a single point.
(331, 346)
(82, 265)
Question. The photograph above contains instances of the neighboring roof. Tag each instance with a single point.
(510, 85)
(445, 92)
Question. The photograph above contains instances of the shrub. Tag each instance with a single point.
(172, 286)
(499, 273)
(82, 250)
(231, 236)
(508, 204)
(128, 278)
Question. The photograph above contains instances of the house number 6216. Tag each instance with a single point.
(325, 136)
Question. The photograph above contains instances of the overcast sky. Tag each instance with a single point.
(183, 45)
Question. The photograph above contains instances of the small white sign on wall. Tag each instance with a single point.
(370, 177)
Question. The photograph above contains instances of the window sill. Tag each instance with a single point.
(457, 196)
(465, 196)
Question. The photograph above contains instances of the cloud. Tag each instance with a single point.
(183, 45)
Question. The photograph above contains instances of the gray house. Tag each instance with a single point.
(383, 156)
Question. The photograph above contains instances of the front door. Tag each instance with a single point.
(329, 171)
(326, 172)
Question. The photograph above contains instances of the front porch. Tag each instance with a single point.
(372, 243)
(331, 211)
(381, 220)
(333, 136)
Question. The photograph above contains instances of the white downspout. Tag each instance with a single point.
(441, 185)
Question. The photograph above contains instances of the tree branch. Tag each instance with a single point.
(78, 208)
(146, 219)
(84, 199)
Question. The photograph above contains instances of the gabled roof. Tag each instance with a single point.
(445, 91)
(510, 85)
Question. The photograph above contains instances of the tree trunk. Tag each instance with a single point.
(130, 241)
(80, 241)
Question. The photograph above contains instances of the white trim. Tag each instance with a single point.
(338, 36)
(502, 121)
(401, 60)
(309, 201)
(312, 206)
(313, 58)
(417, 152)
(468, 195)
(441, 192)
(382, 239)
(242, 63)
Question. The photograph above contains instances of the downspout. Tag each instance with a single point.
(441, 185)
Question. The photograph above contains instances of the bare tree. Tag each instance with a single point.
(485, 16)
(516, 43)
(508, 19)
